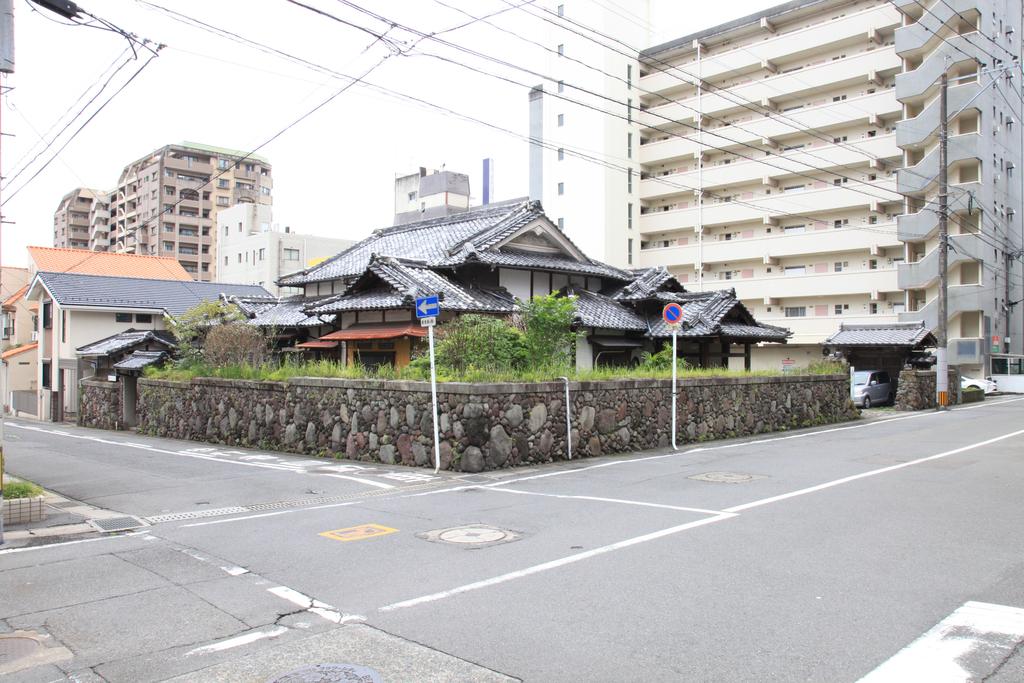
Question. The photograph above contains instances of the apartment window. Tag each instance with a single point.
(839, 309)
(796, 311)
(872, 220)
(223, 201)
(168, 246)
(840, 181)
(794, 229)
(169, 172)
(64, 326)
(291, 254)
(239, 226)
(206, 267)
(629, 216)
(46, 374)
(629, 180)
(629, 145)
(561, 154)
(168, 208)
(168, 227)
(561, 224)
(629, 110)
(873, 264)
(223, 183)
(223, 164)
(561, 49)
(561, 10)
(239, 257)
(561, 188)
(840, 266)
(795, 270)
(561, 120)
(873, 309)
(561, 86)
(793, 188)
(226, 231)
(225, 260)
(123, 317)
(264, 190)
(839, 140)
(629, 75)
(839, 98)
(629, 251)
(263, 253)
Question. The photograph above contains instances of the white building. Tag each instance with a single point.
(254, 251)
(423, 195)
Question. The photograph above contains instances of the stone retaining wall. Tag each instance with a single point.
(916, 389)
(483, 426)
(99, 404)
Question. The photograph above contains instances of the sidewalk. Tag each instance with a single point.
(65, 519)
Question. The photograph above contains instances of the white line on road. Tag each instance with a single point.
(968, 645)
(9, 551)
(554, 564)
(728, 513)
(236, 641)
(267, 514)
(314, 606)
(608, 500)
(378, 484)
(870, 473)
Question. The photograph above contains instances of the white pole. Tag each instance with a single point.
(568, 417)
(674, 388)
(433, 400)
(700, 175)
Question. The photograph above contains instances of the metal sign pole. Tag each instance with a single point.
(433, 400)
(568, 418)
(674, 363)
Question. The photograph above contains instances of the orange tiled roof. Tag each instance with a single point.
(13, 298)
(10, 353)
(55, 260)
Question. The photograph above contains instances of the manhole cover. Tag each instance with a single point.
(726, 477)
(330, 673)
(16, 647)
(117, 523)
(471, 535)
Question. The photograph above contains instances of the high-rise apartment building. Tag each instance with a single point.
(166, 204)
(71, 220)
(978, 44)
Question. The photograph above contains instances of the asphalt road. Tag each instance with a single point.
(811, 556)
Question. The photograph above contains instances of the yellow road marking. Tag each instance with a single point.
(358, 533)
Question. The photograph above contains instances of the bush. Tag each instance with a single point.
(550, 339)
(191, 327)
(477, 341)
(21, 489)
(236, 344)
(662, 360)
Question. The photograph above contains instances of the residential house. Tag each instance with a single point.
(483, 261)
(77, 310)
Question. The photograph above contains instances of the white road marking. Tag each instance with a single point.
(267, 514)
(962, 647)
(368, 482)
(728, 513)
(554, 564)
(321, 609)
(66, 543)
(235, 571)
(870, 473)
(236, 641)
(609, 500)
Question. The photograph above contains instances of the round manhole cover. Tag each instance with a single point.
(15, 647)
(725, 477)
(330, 673)
(471, 534)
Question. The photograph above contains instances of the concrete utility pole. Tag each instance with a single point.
(6, 67)
(942, 368)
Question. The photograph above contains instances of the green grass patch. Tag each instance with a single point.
(21, 489)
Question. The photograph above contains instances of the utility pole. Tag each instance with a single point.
(942, 368)
(6, 67)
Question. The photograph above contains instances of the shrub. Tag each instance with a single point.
(21, 489)
(477, 341)
(235, 344)
(191, 327)
(547, 322)
(662, 360)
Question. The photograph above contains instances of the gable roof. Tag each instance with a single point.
(12, 300)
(912, 335)
(713, 313)
(18, 350)
(474, 235)
(279, 313)
(597, 310)
(104, 291)
(82, 261)
(648, 283)
(126, 340)
(140, 359)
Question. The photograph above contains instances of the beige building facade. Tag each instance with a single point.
(71, 220)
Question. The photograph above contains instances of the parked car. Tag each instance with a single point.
(988, 385)
(872, 388)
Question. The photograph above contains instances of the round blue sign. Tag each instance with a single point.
(672, 313)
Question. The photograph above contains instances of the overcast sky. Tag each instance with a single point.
(334, 171)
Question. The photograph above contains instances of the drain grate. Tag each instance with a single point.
(195, 514)
(111, 524)
(726, 477)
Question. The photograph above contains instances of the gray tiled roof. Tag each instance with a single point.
(705, 313)
(105, 291)
(597, 310)
(140, 359)
(646, 284)
(472, 236)
(126, 340)
(401, 282)
(911, 335)
(286, 312)
(252, 305)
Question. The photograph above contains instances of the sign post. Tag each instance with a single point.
(673, 315)
(427, 310)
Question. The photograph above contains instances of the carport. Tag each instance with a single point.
(881, 346)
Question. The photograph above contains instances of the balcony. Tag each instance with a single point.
(784, 164)
(854, 26)
(818, 242)
(187, 165)
(854, 70)
(961, 298)
(825, 198)
(918, 37)
(855, 282)
(923, 81)
(920, 130)
(921, 274)
(925, 173)
(751, 130)
(923, 225)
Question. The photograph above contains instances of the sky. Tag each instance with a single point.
(333, 170)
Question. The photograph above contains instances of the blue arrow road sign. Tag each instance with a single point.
(427, 307)
(673, 313)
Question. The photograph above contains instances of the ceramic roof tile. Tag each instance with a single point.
(140, 359)
(910, 334)
(597, 310)
(82, 261)
(126, 340)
